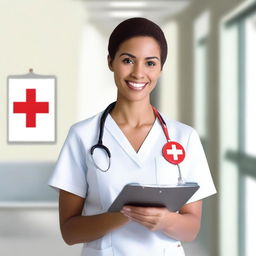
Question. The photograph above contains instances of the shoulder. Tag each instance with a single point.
(86, 123)
(172, 123)
(178, 130)
(86, 129)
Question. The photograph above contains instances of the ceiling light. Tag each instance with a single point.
(129, 4)
(124, 14)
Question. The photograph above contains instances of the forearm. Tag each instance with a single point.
(81, 229)
(182, 227)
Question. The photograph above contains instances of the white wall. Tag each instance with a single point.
(169, 89)
(96, 85)
(44, 35)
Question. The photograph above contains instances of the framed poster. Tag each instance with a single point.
(31, 108)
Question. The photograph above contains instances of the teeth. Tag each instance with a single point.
(137, 85)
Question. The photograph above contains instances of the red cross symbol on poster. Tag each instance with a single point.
(31, 108)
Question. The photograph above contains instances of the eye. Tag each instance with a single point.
(127, 61)
(151, 63)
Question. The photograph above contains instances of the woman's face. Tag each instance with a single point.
(136, 67)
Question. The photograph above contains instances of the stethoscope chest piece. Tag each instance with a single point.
(102, 157)
(173, 152)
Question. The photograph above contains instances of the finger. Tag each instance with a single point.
(144, 223)
(146, 211)
(145, 219)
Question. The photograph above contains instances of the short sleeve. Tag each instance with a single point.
(197, 168)
(70, 170)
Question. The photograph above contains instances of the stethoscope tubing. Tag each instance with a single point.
(107, 151)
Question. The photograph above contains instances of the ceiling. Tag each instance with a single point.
(106, 14)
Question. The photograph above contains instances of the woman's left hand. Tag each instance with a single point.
(153, 218)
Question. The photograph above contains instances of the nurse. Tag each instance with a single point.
(134, 136)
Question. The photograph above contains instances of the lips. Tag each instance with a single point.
(136, 85)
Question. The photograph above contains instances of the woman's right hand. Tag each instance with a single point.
(81, 229)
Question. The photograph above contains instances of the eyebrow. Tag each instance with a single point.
(132, 56)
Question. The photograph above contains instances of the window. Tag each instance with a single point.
(201, 31)
(250, 85)
(238, 133)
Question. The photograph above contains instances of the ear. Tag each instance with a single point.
(110, 63)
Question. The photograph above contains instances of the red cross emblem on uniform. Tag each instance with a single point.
(173, 152)
(30, 107)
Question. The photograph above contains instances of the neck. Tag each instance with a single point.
(133, 113)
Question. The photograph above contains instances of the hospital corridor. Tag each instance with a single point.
(208, 82)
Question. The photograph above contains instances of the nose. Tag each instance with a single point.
(138, 71)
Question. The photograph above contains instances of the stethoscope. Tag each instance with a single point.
(172, 151)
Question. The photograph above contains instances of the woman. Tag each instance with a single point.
(133, 134)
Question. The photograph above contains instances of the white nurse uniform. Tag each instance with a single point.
(76, 173)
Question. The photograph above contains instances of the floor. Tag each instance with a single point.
(35, 231)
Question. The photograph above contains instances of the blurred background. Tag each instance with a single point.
(208, 82)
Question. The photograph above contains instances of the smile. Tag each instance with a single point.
(135, 86)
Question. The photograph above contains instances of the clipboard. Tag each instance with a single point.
(172, 197)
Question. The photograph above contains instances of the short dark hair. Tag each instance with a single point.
(133, 27)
